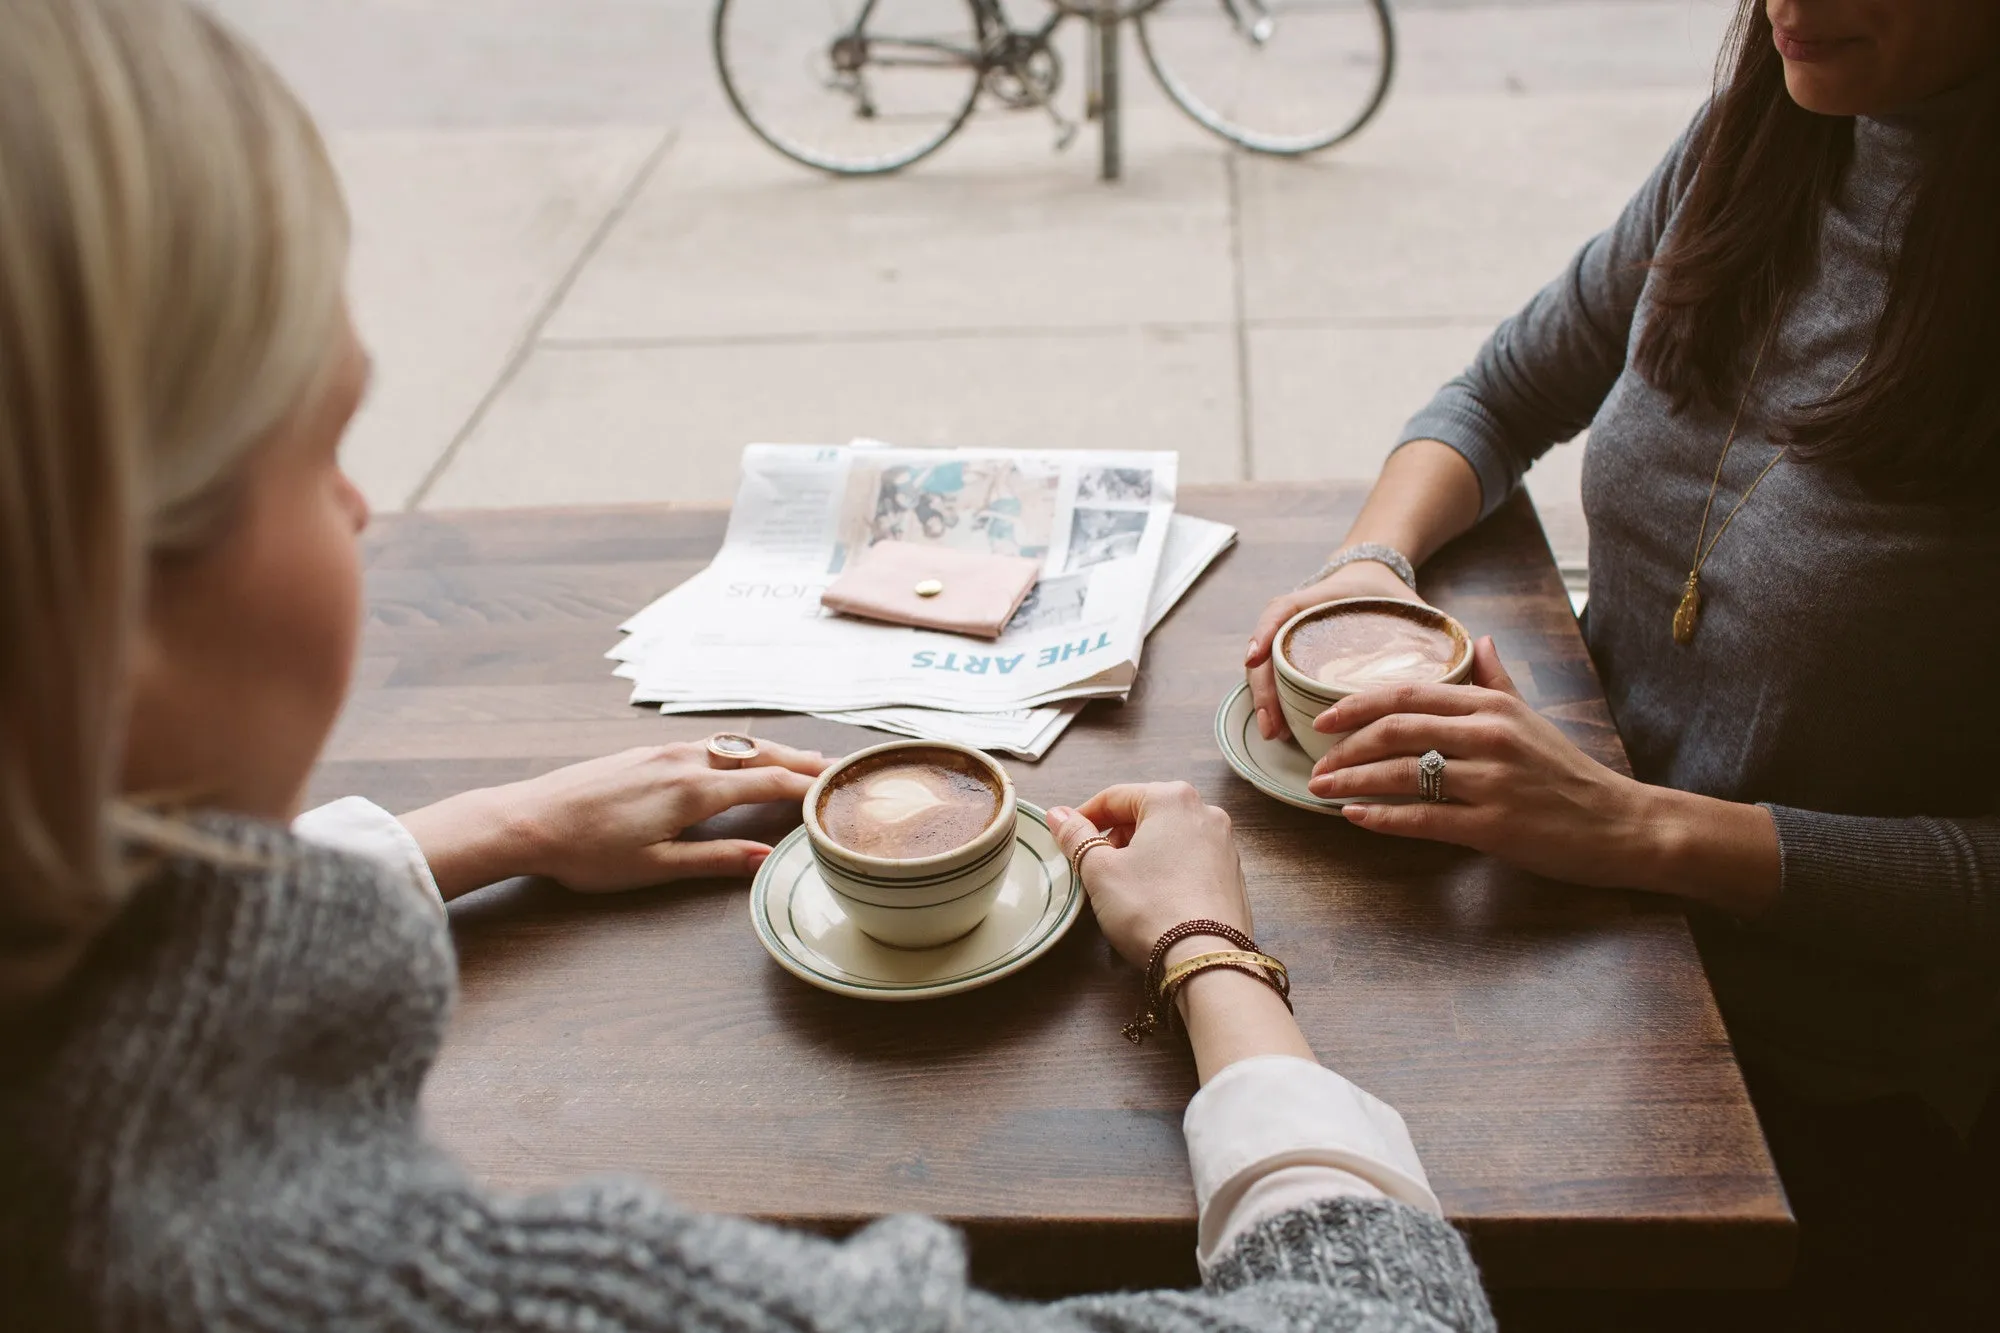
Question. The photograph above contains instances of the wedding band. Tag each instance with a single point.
(1076, 857)
(726, 749)
(1430, 776)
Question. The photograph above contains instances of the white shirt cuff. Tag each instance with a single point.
(364, 828)
(1275, 1132)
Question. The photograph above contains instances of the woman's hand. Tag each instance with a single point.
(608, 824)
(1516, 788)
(1363, 578)
(1172, 859)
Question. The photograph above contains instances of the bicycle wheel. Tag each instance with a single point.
(1274, 76)
(854, 87)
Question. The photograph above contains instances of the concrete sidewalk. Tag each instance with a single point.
(584, 282)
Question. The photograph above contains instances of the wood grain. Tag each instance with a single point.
(1555, 1051)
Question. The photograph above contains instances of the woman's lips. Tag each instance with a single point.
(1809, 50)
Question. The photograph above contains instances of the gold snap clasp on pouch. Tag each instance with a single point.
(929, 587)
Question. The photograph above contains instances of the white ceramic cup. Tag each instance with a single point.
(920, 901)
(1302, 698)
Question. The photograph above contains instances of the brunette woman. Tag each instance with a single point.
(1787, 353)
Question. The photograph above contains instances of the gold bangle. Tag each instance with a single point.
(1243, 959)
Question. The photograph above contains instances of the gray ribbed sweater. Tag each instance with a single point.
(216, 1126)
(1843, 673)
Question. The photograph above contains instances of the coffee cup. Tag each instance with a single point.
(913, 838)
(1329, 651)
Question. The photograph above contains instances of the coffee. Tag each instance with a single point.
(903, 805)
(1369, 646)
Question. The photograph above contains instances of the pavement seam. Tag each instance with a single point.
(525, 347)
(668, 342)
(1246, 465)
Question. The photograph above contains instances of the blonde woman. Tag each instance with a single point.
(212, 1033)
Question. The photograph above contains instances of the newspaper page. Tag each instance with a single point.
(749, 632)
(1028, 733)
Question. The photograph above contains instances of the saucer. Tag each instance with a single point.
(802, 926)
(1278, 768)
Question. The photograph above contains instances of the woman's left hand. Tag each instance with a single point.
(608, 824)
(1514, 785)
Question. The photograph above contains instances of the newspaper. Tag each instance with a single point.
(748, 631)
(1027, 733)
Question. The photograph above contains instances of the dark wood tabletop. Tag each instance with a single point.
(1555, 1051)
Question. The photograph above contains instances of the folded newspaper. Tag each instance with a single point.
(748, 631)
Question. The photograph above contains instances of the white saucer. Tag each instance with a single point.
(803, 927)
(1277, 768)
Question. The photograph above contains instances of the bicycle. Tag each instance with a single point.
(898, 78)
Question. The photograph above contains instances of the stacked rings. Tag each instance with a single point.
(1430, 776)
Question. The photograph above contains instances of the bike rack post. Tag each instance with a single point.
(1107, 89)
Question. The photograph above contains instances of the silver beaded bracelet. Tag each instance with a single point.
(1398, 563)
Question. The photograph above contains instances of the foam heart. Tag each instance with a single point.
(893, 800)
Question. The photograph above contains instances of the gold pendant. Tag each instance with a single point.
(1688, 614)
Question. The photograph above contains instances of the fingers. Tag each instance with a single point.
(1389, 777)
(1072, 829)
(1358, 710)
(1276, 613)
(720, 789)
(724, 858)
(1271, 722)
(773, 754)
(1406, 734)
(1129, 803)
(1436, 823)
(1487, 670)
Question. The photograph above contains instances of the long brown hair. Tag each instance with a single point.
(1921, 418)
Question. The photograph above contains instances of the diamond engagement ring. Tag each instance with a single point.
(1430, 776)
(727, 750)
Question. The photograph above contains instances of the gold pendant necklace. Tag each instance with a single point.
(1687, 615)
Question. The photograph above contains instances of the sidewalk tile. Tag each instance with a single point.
(584, 426)
(1330, 402)
(460, 239)
(1456, 207)
(994, 232)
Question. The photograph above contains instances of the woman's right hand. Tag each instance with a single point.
(1172, 858)
(1363, 578)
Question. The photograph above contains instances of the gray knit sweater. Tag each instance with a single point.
(216, 1127)
(1843, 673)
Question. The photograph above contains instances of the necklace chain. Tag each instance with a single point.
(1687, 616)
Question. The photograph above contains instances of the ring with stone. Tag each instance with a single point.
(1430, 776)
(1076, 857)
(726, 749)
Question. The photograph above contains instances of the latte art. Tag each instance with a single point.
(1365, 648)
(905, 809)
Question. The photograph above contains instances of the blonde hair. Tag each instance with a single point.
(172, 256)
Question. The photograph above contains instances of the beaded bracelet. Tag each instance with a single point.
(1158, 1009)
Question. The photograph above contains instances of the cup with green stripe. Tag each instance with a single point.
(913, 838)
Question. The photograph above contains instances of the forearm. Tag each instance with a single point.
(1723, 854)
(471, 840)
(1232, 1016)
(1426, 495)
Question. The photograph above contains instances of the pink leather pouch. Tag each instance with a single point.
(934, 587)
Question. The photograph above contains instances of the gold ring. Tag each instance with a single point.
(727, 749)
(1076, 857)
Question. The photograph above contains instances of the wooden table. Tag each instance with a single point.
(1555, 1051)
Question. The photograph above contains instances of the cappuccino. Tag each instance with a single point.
(1364, 647)
(907, 804)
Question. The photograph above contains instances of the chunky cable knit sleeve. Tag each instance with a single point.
(220, 1130)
